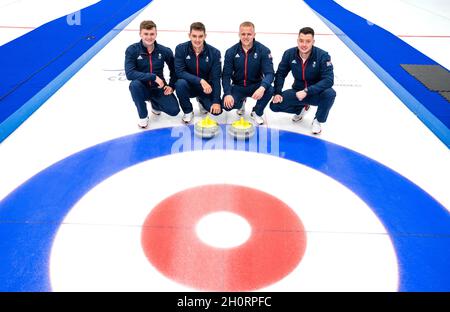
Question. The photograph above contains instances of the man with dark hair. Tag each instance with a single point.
(198, 68)
(248, 65)
(144, 66)
(313, 80)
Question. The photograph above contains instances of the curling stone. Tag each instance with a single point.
(241, 129)
(206, 128)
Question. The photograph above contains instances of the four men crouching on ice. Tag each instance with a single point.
(196, 72)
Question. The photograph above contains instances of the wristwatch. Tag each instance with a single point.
(306, 90)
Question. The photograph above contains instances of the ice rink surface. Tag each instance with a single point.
(97, 244)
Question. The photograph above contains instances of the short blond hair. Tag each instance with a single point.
(247, 24)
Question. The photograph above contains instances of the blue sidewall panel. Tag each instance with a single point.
(60, 50)
(384, 60)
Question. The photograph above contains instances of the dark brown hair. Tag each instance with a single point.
(306, 31)
(197, 26)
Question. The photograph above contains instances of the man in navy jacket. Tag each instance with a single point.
(313, 80)
(248, 65)
(144, 66)
(198, 68)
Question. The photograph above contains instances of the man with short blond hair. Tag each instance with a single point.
(198, 68)
(144, 66)
(247, 72)
(247, 24)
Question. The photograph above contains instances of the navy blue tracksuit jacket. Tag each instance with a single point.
(140, 65)
(316, 74)
(246, 69)
(193, 68)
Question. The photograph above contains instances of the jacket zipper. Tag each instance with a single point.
(198, 75)
(245, 69)
(303, 72)
(151, 65)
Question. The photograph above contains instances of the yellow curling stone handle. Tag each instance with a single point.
(207, 123)
(242, 124)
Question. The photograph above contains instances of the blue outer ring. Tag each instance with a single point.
(31, 215)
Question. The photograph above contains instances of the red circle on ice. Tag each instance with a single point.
(274, 249)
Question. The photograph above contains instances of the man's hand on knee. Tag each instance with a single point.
(277, 99)
(228, 101)
(215, 109)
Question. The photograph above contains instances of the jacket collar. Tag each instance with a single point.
(251, 49)
(144, 48)
(311, 56)
(191, 48)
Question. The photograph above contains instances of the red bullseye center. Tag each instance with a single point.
(275, 247)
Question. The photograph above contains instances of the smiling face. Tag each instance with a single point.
(148, 36)
(305, 43)
(197, 39)
(247, 35)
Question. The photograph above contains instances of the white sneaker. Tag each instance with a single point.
(200, 106)
(188, 117)
(316, 128)
(156, 112)
(241, 111)
(143, 123)
(259, 120)
(299, 117)
(202, 110)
